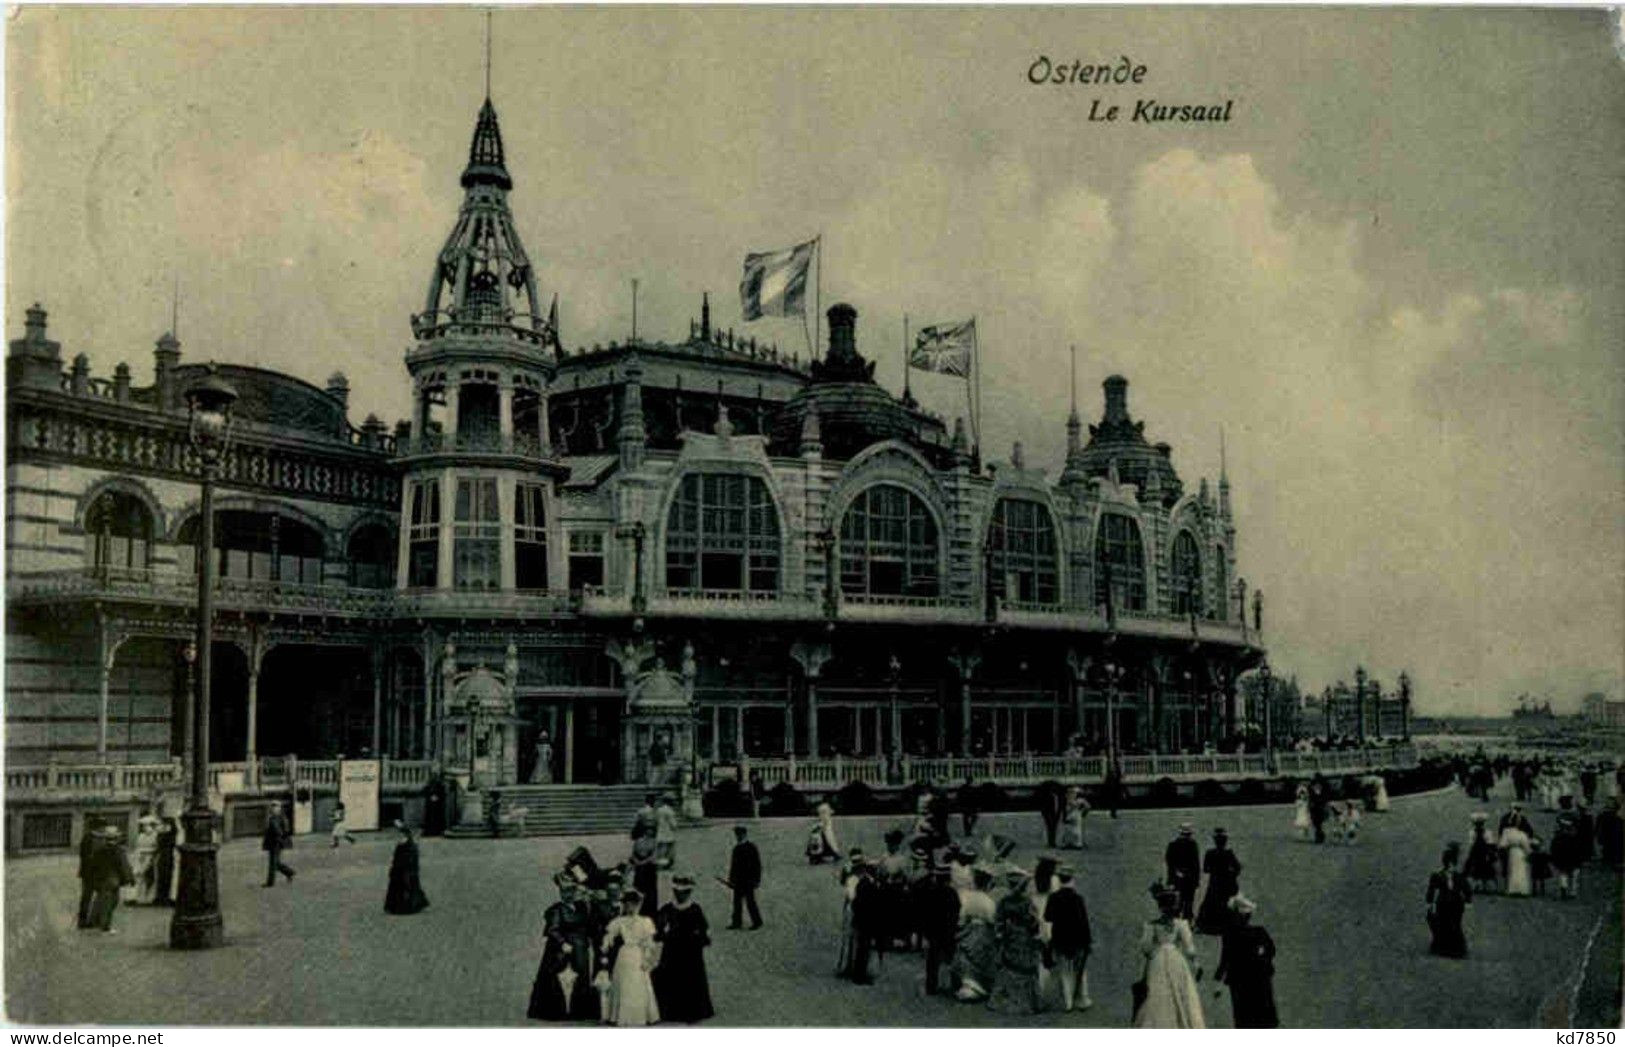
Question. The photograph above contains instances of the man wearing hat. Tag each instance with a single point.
(1184, 861)
(1069, 940)
(1247, 965)
(744, 877)
(682, 988)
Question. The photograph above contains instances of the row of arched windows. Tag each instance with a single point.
(250, 544)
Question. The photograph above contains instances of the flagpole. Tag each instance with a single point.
(905, 358)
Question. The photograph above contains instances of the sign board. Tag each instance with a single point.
(360, 791)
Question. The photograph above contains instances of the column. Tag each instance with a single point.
(1079, 663)
(453, 388)
(716, 734)
(448, 511)
(430, 751)
(107, 650)
(256, 657)
(505, 513)
(545, 434)
(403, 558)
(857, 731)
(570, 743)
(811, 657)
(965, 663)
(739, 731)
(1157, 702)
(377, 662)
(505, 408)
(789, 724)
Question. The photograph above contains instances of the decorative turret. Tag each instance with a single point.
(483, 280)
(166, 356)
(1120, 438)
(632, 437)
(843, 363)
(35, 360)
(705, 316)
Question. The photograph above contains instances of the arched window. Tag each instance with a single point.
(888, 545)
(120, 530)
(476, 534)
(1219, 611)
(1022, 538)
(1186, 575)
(372, 557)
(1119, 556)
(722, 535)
(258, 545)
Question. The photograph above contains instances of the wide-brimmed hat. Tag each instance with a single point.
(1242, 904)
(631, 894)
(1480, 816)
(1065, 873)
(1220, 834)
(682, 883)
(1186, 828)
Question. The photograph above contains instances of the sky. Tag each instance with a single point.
(1394, 280)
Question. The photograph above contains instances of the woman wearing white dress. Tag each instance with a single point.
(1300, 813)
(826, 827)
(1381, 804)
(1516, 843)
(1077, 809)
(631, 994)
(1170, 997)
(146, 858)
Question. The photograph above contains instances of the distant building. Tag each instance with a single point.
(1601, 711)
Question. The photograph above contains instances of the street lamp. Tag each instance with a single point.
(197, 923)
(1405, 705)
(1359, 703)
(1265, 681)
(1114, 674)
(894, 671)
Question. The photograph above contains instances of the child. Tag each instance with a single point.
(1540, 864)
(1351, 821)
(339, 831)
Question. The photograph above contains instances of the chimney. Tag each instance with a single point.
(166, 357)
(372, 432)
(35, 360)
(843, 337)
(1116, 400)
(338, 387)
(121, 383)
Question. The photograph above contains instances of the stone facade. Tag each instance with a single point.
(806, 563)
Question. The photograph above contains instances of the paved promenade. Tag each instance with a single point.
(1348, 922)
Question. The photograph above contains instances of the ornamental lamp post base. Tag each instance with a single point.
(197, 923)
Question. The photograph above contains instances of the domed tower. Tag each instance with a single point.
(478, 497)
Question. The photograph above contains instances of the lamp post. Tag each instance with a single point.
(1114, 674)
(894, 671)
(1264, 682)
(197, 923)
(1359, 704)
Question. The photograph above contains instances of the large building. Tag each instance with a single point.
(789, 556)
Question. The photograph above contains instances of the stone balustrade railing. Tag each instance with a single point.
(135, 781)
(1027, 770)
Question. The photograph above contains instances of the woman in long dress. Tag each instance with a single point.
(975, 950)
(405, 895)
(682, 989)
(851, 870)
(563, 989)
(826, 829)
(1380, 805)
(1448, 896)
(1300, 813)
(1077, 809)
(1482, 864)
(1223, 870)
(1170, 997)
(146, 859)
(630, 938)
(1016, 934)
(1516, 843)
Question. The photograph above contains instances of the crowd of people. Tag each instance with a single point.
(1514, 858)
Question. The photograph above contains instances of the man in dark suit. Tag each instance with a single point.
(110, 871)
(1051, 805)
(744, 876)
(277, 838)
(938, 910)
(1184, 861)
(87, 880)
(1069, 941)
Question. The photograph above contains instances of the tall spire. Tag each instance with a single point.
(1074, 427)
(485, 163)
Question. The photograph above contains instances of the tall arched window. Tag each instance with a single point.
(722, 535)
(372, 557)
(530, 537)
(888, 545)
(1119, 555)
(1219, 610)
(1186, 575)
(259, 545)
(120, 530)
(1022, 538)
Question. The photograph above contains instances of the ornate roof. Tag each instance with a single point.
(1118, 443)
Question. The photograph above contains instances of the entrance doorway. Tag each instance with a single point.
(585, 732)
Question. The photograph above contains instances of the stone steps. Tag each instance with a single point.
(576, 810)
